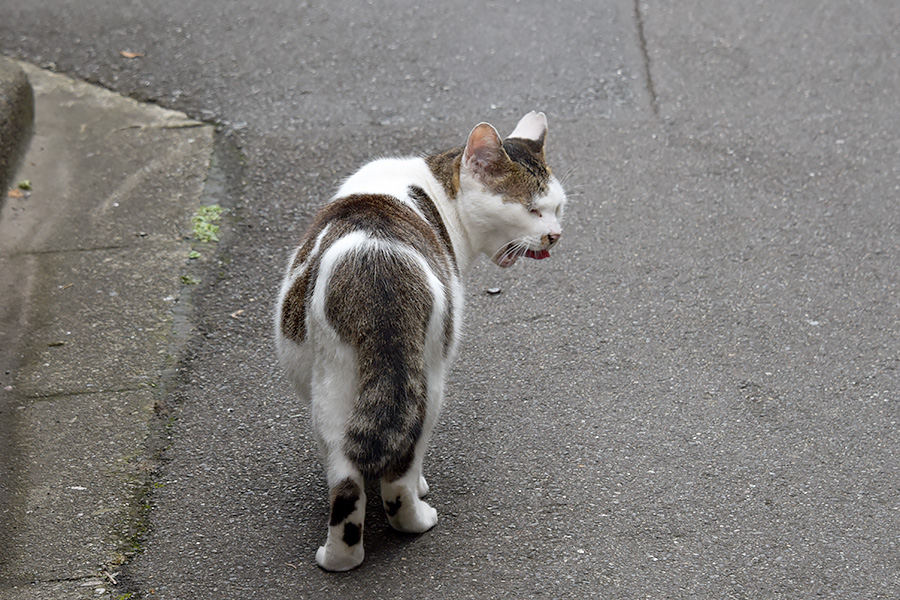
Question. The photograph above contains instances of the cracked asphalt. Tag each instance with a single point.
(694, 397)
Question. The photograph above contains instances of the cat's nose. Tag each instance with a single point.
(552, 238)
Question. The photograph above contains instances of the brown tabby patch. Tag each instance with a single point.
(519, 174)
(382, 216)
(381, 306)
(525, 175)
(445, 167)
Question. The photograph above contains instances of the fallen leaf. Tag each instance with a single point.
(15, 193)
(129, 54)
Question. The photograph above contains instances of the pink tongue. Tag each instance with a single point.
(537, 254)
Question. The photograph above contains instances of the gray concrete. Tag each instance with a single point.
(696, 397)
(16, 120)
(90, 283)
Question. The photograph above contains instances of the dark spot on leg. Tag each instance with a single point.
(402, 464)
(352, 533)
(343, 501)
(392, 508)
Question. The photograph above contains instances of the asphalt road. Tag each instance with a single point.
(695, 397)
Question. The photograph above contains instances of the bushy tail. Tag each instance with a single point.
(389, 416)
(382, 307)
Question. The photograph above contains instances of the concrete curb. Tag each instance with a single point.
(16, 120)
(93, 264)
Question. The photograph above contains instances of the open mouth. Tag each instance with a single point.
(509, 254)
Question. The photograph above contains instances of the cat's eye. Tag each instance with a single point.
(536, 213)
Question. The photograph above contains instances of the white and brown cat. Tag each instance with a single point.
(370, 310)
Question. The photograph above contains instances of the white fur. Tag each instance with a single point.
(334, 365)
(293, 357)
(530, 127)
(500, 222)
(388, 176)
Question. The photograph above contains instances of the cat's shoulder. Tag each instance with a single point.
(391, 176)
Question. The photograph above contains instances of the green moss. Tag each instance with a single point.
(204, 222)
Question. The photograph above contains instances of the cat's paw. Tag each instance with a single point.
(422, 488)
(336, 559)
(418, 518)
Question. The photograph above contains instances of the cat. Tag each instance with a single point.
(370, 311)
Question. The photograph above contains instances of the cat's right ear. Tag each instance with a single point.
(484, 151)
(532, 126)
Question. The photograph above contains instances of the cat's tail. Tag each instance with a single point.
(386, 318)
(387, 422)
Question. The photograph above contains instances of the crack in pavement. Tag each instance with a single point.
(645, 55)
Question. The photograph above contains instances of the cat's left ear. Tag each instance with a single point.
(484, 152)
(532, 126)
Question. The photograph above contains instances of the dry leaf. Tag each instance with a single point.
(15, 193)
(128, 54)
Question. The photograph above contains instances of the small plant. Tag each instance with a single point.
(204, 223)
(188, 280)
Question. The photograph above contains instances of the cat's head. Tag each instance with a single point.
(512, 200)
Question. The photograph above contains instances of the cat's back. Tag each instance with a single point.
(388, 176)
(382, 229)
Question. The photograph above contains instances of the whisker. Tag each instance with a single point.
(513, 248)
(566, 176)
(507, 250)
(517, 247)
(501, 252)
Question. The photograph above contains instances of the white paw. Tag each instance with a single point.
(418, 519)
(330, 560)
(422, 488)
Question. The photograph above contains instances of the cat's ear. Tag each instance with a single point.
(532, 126)
(484, 150)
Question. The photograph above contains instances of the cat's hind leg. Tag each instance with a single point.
(402, 495)
(405, 510)
(343, 550)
